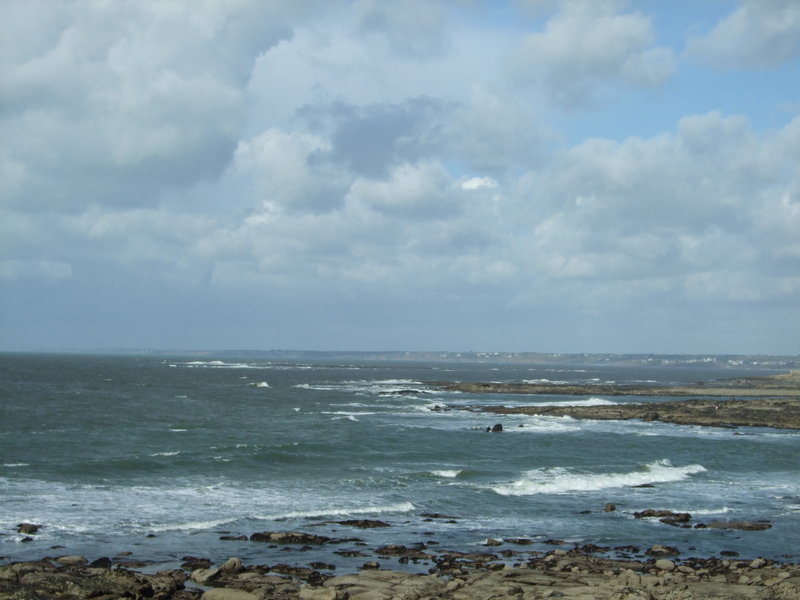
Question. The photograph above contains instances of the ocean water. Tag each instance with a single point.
(161, 457)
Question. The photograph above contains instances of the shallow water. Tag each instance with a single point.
(104, 451)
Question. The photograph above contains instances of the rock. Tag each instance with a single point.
(228, 594)
(758, 563)
(662, 564)
(363, 523)
(497, 428)
(371, 565)
(27, 528)
(101, 563)
(659, 550)
(289, 537)
(237, 538)
(310, 593)
(743, 525)
(232, 565)
(72, 560)
(609, 507)
(493, 542)
(677, 517)
(192, 563)
(312, 576)
(519, 541)
(203, 576)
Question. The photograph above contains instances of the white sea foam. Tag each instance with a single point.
(261, 384)
(401, 507)
(559, 480)
(589, 402)
(166, 454)
(449, 474)
(14, 465)
(190, 526)
(177, 430)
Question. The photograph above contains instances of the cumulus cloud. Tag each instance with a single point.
(109, 102)
(755, 35)
(587, 46)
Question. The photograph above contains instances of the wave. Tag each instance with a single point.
(14, 465)
(401, 507)
(589, 402)
(449, 474)
(166, 453)
(559, 480)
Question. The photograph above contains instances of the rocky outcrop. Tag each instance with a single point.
(455, 576)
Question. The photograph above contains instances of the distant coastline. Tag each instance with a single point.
(774, 401)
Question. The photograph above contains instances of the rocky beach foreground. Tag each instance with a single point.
(577, 573)
(770, 401)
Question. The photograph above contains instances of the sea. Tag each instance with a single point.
(156, 458)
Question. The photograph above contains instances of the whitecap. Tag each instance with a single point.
(13, 465)
(560, 480)
(447, 473)
(401, 507)
(166, 453)
(177, 429)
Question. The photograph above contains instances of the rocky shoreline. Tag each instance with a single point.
(772, 402)
(575, 573)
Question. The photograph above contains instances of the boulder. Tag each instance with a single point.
(72, 560)
(232, 566)
(659, 550)
(497, 428)
(101, 563)
(203, 576)
(228, 594)
(662, 564)
(27, 528)
(609, 507)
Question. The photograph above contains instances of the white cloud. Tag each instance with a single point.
(108, 102)
(587, 46)
(414, 28)
(756, 35)
(475, 183)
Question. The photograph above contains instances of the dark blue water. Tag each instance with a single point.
(105, 451)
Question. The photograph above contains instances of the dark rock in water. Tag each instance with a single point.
(644, 485)
(497, 428)
(151, 535)
(631, 549)
(519, 541)
(743, 525)
(371, 565)
(322, 565)
(363, 523)
(101, 563)
(609, 507)
(493, 542)
(593, 548)
(701, 526)
(192, 563)
(437, 516)
(27, 528)
(729, 553)
(234, 538)
(289, 537)
(666, 516)
(659, 550)
(26, 539)
(554, 542)
(349, 553)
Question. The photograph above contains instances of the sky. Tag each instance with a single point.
(524, 175)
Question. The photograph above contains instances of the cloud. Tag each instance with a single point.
(412, 28)
(370, 140)
(588, 46)
(110, 102)
(755, 35)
